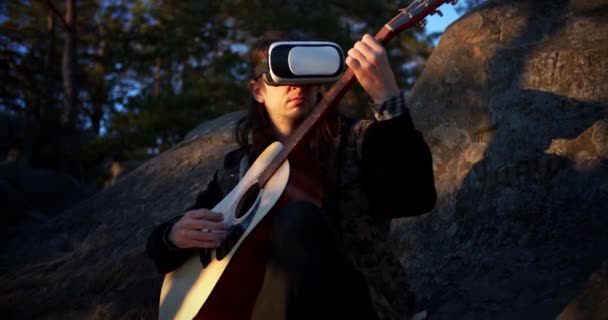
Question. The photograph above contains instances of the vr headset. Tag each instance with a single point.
(301, 62)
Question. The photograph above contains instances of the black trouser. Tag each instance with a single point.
(322, 282)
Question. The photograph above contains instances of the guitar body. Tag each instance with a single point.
(186, 289)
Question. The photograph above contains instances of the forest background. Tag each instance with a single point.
(93, 88)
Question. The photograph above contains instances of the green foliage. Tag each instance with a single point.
(150, 70)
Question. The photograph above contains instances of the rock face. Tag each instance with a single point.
(89, 262)
(36, 193)
(592, 301)
(513, 103)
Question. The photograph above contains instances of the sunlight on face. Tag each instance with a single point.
(287, 105)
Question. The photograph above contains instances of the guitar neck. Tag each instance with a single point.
(330, 99)
(409, 17)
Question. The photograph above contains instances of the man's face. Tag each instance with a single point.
(287, 104)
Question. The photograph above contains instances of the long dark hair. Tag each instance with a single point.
(254, 131)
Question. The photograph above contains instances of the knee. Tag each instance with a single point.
(300, 232)
(299, 216)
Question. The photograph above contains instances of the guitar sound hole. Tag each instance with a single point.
(247, 201)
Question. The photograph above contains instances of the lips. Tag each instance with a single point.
(297, 99)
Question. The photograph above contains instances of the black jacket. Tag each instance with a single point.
(377, 170)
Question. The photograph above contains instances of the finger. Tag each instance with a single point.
(214, 226)
(199, 225)
(352, 63)
(372, 43)
(357, 59)
(369, 53)
(363, 47)
(205, 214)
(206, 236)
(205, 244)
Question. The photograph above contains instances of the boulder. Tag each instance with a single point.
(36, 193)
(89, 262)
(513, 103)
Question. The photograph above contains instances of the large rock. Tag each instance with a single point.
(592, 302)
(34, 192)
(89, 262)
(513, 104)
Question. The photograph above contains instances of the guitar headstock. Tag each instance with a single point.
(415, 13)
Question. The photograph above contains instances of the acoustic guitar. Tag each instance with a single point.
(186, 289)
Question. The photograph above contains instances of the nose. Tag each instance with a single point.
(301, 87)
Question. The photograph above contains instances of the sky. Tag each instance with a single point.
(435, 23)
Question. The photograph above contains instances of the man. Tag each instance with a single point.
(323, 253)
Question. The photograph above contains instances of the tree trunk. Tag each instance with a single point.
(70, 112)
(49, 72)
(98, 98)
(157, 77)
